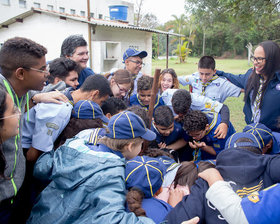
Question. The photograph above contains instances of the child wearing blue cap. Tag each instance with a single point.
(269, 140)
(110, 107)
(144, 93)
(243, 166)
(88, 185)
(145, 176)
(86, 114)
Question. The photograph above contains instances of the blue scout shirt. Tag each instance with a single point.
(199, 102)
(217, 89)
(214, 120)
(175, 135)
(263, 206)
(86, 72)
(156, 209)
(134, 100)
(46, 122)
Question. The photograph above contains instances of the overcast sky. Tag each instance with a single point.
(163, 9)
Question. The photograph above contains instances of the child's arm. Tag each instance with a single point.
(222, 129)
(177, 145)
(186, 80)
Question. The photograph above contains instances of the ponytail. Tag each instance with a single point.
(134, 199)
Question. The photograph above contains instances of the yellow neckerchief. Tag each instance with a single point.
(204, 85)
(213, 122)
(9, 90)
(146, 107)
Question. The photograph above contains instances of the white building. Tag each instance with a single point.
(99, 9)
(107, 40)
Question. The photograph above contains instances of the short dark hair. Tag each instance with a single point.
(141, 112)
(60, 67)
(70, 44)
(181, 101)
(19, 52)
(207, 62)
(195, 120)
(113, 106)
(145, 83)
(97, 82)
(163, 116)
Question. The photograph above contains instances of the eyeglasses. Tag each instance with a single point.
(44, 69)
(16, 112)
(258, 59)
(122, 90)
(138, 63)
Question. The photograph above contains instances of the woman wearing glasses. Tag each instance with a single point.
(262, 86)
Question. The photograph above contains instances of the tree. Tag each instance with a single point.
(139, 7)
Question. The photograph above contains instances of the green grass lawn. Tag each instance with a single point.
(235, 66)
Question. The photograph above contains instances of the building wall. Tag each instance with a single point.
(50, 31)
(127, 38)
(97, 7)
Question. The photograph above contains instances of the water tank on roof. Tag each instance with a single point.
(118, 12)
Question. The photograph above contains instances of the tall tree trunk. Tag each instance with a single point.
(138, 14)
(203, 47)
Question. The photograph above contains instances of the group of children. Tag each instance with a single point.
(91, 158)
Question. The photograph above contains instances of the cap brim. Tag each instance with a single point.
(105, 119)
(149, 135)
(141, 54)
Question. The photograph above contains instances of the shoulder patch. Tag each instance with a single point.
(52, 125)
(254, 197)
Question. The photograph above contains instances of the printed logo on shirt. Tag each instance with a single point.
(278, 86)
(208, 105)
(216, 146)
(254, 197)
(53, 126)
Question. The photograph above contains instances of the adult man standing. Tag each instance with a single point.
(133, 61)
(75, 48)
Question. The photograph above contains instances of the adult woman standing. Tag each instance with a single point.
(262, 86)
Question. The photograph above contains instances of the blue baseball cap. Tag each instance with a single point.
(86, 109)
(128, 125)
(131, 52)
(145, 173)
(231, 141)
(264, 135)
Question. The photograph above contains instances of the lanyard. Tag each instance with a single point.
(17, 137)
